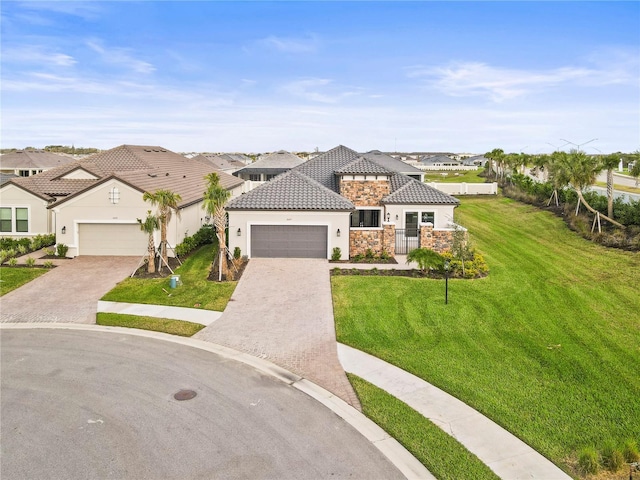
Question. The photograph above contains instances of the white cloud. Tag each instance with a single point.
(460, 79)
(317, 90)
(120, 57)
(37, 55)
(308, 44)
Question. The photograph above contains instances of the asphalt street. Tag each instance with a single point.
(84, 404)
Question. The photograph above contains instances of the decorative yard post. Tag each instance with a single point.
(446, 282)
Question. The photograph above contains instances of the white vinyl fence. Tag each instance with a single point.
(466, 188)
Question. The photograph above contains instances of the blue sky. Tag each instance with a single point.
(264, 76)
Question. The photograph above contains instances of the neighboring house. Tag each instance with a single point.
(268, 167)
(93, 205)
(222, 162)
(476, 160)
(438, 161)
(341, 199)
(5, 177)
(25, 163)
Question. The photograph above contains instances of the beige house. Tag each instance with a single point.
(346, 200)
(93, 205)
(25, 163)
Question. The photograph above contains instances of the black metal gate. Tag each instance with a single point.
(404, 243)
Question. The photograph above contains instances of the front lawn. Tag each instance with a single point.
(195, 292)
(547, 345)
(174, 327)
(14, 277)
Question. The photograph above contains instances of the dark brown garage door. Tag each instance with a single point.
(289, 241)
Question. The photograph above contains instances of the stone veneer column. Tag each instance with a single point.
(426, 235)
(389, 238)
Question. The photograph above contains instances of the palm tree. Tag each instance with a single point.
(149, 226)
(579, 170)
(495, 157)
(609, 162)
(215, 198)
(167, 203)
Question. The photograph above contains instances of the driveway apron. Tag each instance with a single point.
(282, 311)
(68, 293)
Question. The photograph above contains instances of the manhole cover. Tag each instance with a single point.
(185, 395)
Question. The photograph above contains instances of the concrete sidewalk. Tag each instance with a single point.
(195, 315)
(508, 456)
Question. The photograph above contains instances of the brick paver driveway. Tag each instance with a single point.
(68, 293)
(282, 311)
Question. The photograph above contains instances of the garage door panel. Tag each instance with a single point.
(111, 239)
(289, 241)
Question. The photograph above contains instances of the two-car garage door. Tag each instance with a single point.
(289, 241)
(111, 239)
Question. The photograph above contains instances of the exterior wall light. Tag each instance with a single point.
(338, 233)
(388, 216)
(239, 232)
(64, 230)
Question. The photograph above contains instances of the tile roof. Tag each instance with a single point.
(276, 162)
(292, 190)
(407, 190)
(221, 162)
(323, 167)
(33, 159)
(362, 166)
(438, 159)
(390, 163)
(142, 167)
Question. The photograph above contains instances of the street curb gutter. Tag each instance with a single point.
(410, 467)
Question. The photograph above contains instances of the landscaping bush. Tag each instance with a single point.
(237, 253)
(62, 250)
(612, 457)
(588, 461)
(336, 254)
(630, 451)
(203, 236)
(30, 261)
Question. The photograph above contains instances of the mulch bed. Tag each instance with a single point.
(234, 275)
(370, 261)
(375, 272)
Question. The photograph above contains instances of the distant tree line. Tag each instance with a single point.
(56, 149)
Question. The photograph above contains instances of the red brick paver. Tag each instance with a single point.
(68, 293)
(282, 311)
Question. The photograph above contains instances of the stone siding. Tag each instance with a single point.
(377, 240)
(437, 240)
(365, 193)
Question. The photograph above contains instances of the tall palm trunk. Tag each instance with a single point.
(220, 222)
(151, 251)
(610, 192)
(594, 211)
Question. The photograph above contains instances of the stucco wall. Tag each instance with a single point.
(94, 206)
(443, 214)
(333, 220)
(40, 219)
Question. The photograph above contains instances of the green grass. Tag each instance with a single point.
(467, 176)
(14, 277)
(174, 327)
(622, 188)
(195, 292)
(443, 456)
(547, 345)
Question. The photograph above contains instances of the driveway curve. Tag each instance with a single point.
(95, 404)
(69, 293)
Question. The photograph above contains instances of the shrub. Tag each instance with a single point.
(237, 253)
(426, 259)
(630, 451)
(62, 250)
(612, 457)
(588, 461)
(13, 261)
(202, 237)
(384, 255)
(336, 254)
(22, 249)
(50, 251)
(30, 261)
(369, 254)
(48, 264)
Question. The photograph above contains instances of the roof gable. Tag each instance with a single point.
(362, 166)
(323, 167)
(409, 191)
(390, 163)
(291, 190)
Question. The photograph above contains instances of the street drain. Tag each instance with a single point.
(185, 395)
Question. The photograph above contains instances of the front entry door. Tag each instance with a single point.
(411, 224)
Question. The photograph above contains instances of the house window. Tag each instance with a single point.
(254, 177)
(22, 220)
(7, 215)
(269, 176)
(114, 195)
(5, 220)
(428, 217)
(365, 218)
